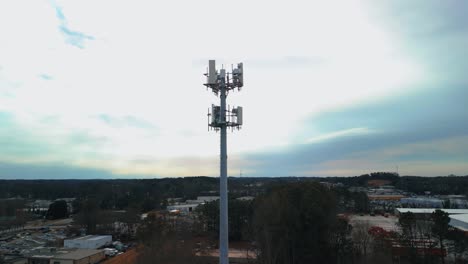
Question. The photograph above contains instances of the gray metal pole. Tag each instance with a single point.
(223, 229)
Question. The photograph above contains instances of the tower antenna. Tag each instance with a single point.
(221, 82)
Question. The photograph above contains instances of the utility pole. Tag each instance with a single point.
(222, 118)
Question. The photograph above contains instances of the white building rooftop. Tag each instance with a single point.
(459, 221)
(79, 254)
(89, 237)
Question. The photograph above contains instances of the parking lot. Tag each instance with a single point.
(389, 223)
(21, 243)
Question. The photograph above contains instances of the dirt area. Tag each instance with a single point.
(51, 223)
(233, 253)
(128, 257)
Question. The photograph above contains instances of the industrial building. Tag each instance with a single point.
(429, 211)
(182, 208)
(203, 199)
(82, 256)
(386, 197)
(458, 217)
(422, 202)
(245, 198)
(88, 242)
(190, 205)
(459, 221)
(39, 205)
(68, 256)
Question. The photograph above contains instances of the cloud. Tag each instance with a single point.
(424, 29)
(129, 120)
(45, 141)
(45, 77)
(49, 171)
(287, 62)
(72, 37)
(365, 82)
(422, 127)
(424, 18)
(355, 167)
(438, 157)
(283, 62)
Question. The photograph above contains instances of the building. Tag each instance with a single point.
(172, 201)
(87, 242)
(455, 201)
(202, 200)
(422, 202)
(386, 197)
(190, 205)
(81, 256)
(378, 182)
(39, 206)
(459, 221)
(357, 189)
(384, 190)
(458, 203)
(68, 256)
(423, 212)
(246, 198)
(182, 208)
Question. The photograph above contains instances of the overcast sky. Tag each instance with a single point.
(102, 89)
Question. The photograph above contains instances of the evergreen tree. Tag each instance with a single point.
(293, 224)
(440, 229)
(57, 210)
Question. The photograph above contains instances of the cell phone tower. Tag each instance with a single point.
(220, 118)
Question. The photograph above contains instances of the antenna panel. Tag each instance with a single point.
(215, 110)
(239, 115)
(240, 67)
(222, 73)
(212, 76)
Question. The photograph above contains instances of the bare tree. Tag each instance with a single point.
(166, 241)
(423, 229)
(130, 220)
(361, 237)
(89, 215)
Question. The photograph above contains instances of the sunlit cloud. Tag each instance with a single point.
(337, 134)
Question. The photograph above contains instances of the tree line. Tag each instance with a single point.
(294, 222)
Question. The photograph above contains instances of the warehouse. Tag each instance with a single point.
(88, 242)
(182, 208)
(190, 205)
(423, 212)
(422, 202)
(81, 256)
(68, 256)
(459, 221)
